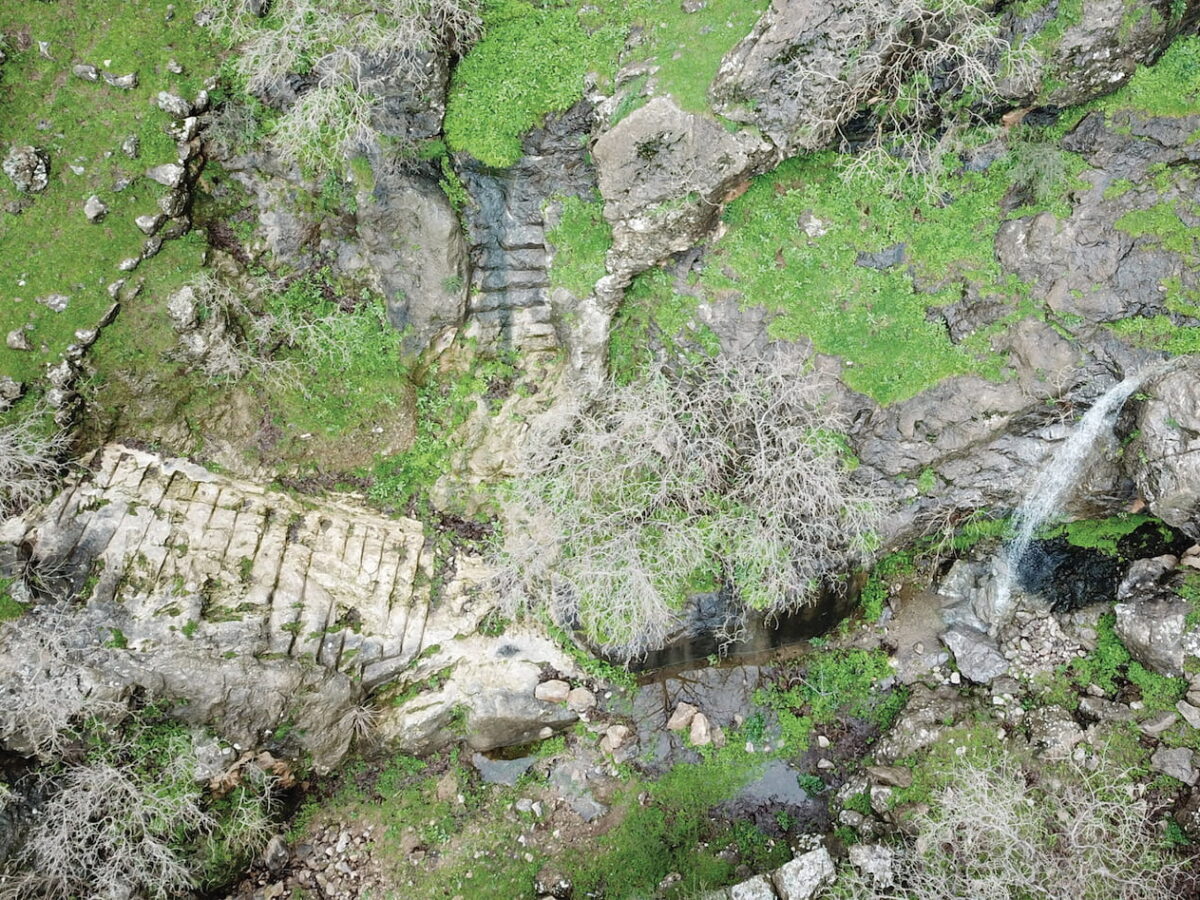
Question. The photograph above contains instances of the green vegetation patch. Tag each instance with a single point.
(792, 247)
(827, 686)
(1104, 535)
(1164, 223)
(654, 313)
(443, 403)
(9, 608)
(1171, 87)
(50, 247)
(532, 60)
(688, 47)
(664, 823)
(580, 240)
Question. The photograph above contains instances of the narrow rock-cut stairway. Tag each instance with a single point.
(188, 554)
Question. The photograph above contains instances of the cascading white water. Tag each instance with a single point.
(1056, 481)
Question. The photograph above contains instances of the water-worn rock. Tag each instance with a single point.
(682, 717)
(1166, 453)
(976, 654)
(29, 169)
(804, 876)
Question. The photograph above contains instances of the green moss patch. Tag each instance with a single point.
(688, 47)
(531, 61)
(1171, 87)
(580, 240)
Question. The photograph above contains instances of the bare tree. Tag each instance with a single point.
(729, 468)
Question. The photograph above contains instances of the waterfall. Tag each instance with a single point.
(1057, 480)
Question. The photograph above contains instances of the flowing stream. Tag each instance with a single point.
(1056, 481)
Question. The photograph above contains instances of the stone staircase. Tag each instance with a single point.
(173, 552)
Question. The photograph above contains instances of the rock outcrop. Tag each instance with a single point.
(1165, 456)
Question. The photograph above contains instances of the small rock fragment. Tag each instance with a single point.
(131, 146)
(682, 717)
(54, 302)
(18, 340)
(150, 224)
(552, 691)
(174, 67)
(129, 263)
(95, 209)
(123, 82)
(29, 169)
(804, 876)
(700, 733)
(86, 72)
(173, 104)
(1175, 762)
(169, 174)
(580, 699)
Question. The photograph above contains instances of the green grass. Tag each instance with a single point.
(873, 319)
(531, 61)
(51, 247)
(1164, 223)
(443, 403)
(1171, 87)
(653, 313)
(660, 831)
(580, 240)
(9, 608)
(688, 47)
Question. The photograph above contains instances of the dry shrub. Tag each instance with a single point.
(998, 832)
(350, 49)
(44, 695)
(925, 69)
(730, 470)
(108, 832)
(30, 462)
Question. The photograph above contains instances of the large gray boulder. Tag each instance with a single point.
(664, 175)
(1166, 455)
(414, 247)
(795, 76)
(1156, 634)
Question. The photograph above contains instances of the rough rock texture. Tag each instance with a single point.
(1085, 265)
(758, 81)
(513, 306)
(804, 876)
(29, 169)
(664, 174)
(412, 243)
(1166, 455)
(481, 689)
(977, 656)
(1101, 50)
(1155, 634)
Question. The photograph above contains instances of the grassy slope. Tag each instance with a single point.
(50, 247)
